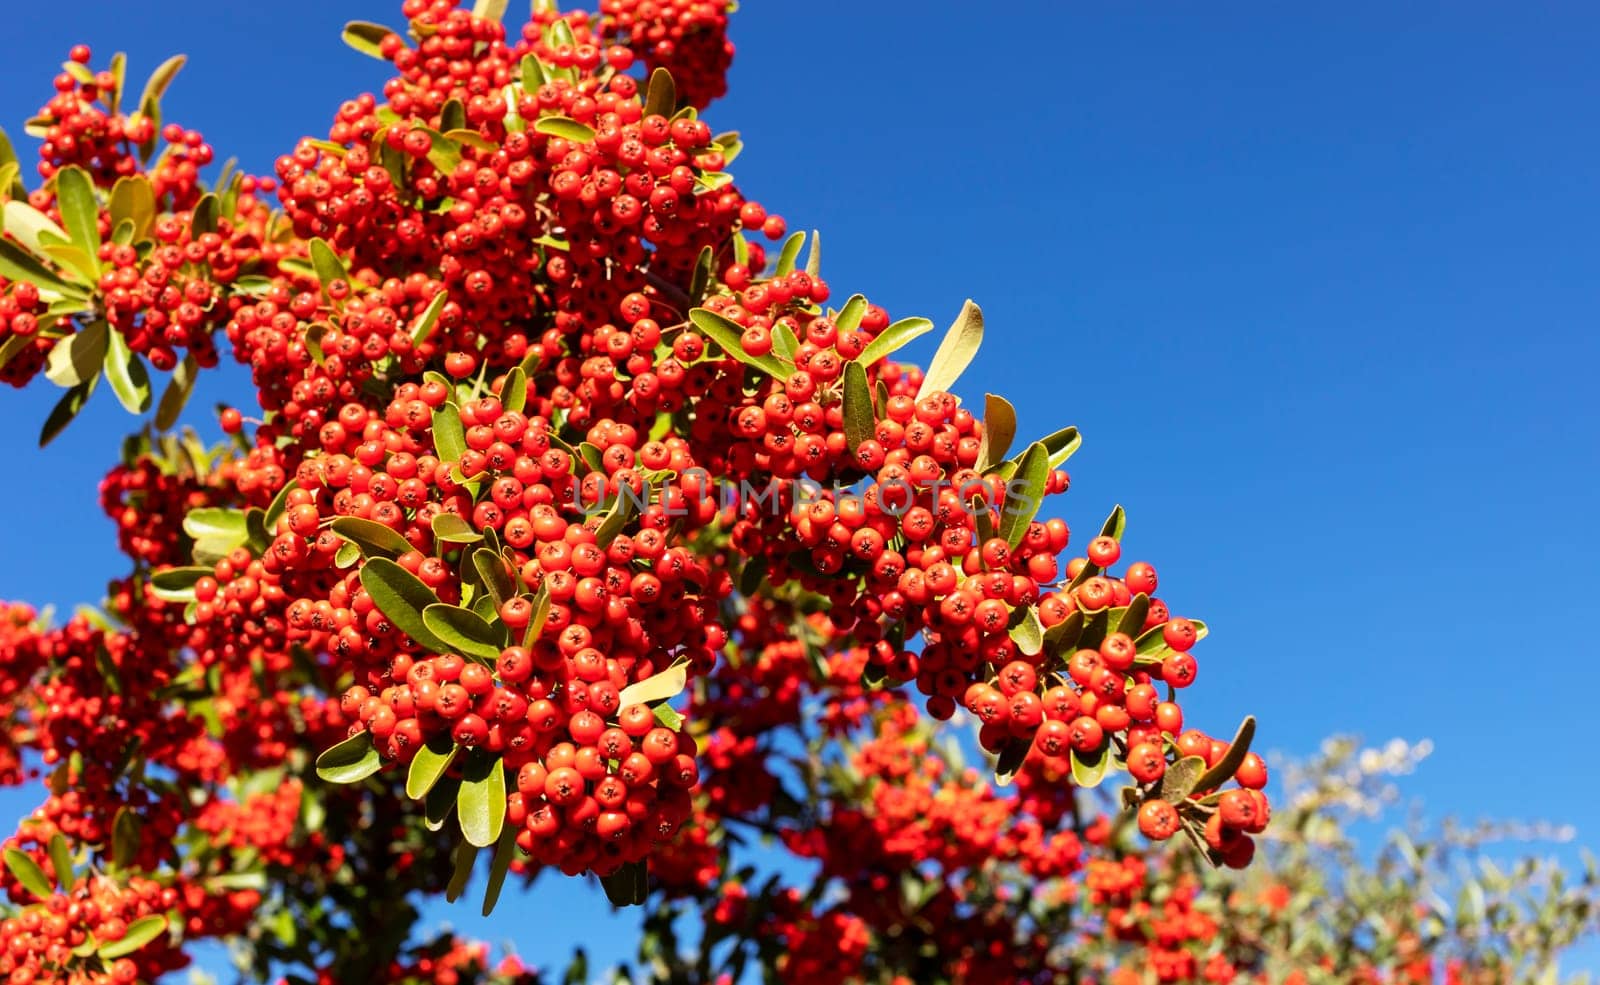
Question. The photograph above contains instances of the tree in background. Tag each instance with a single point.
(545, 440)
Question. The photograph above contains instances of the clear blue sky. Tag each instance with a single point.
(1317, 283)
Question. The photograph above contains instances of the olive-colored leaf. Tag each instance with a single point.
(661, 95)
(504, 851)
(452, 529)
(327, 264)
(176, 395)
(628, 886)
(429, 764)
(366, 37)
(466, 857)
(1228, 765)
(814, 257)
(78, 357)
(157, 85)
(893, 338)
(1131, 621)
(28, 226)
(955, 352)
(440, 802)
(80, 213)
(463, 631)
(17, 264)
(623, 510)
(1010, 761)
(66, 409)
(849, 317)
(860, 420)
(726, 334)
(449, 437)
(541, 613)
(429, 318)
(1088, 769)
(204, 217)
(658, 687)
(27, 872)
(514, 391)
(351, 761)
(999, 428)
(489, 10)
(125, 371)
(279, 504)
(567, 129)
(402, 598)
(61, 861)
(789, 255)
(126, 830)
(374, 539)
(141, 932)
(491, 568)
(177, 584)
(1025, 494)
(481, 803)
(1181, 779)
(1026, 630)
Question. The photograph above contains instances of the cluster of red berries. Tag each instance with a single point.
(39, 945)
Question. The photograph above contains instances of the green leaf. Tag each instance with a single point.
(661, 95)
(156, 87)
(481, 804)
(955, 352)
(1182, 779)
(366, 37)
(893, 338)
(176, 393)
(17, 265)
(504, 851)
(616, 519)
(1026, 630)
(541, 613)
(1133, 616)
(1228, 765)
(789, 255)
(999, 428)
(1025, 494)
(1116, 524)
(204, 217)
(463, 631)
(726, 334)
(327, 264)
(628, 886)
(514, 391)
(61, 861)
(78, 357)
(374, 539)
(1064, 634)
(452, 529)
(125, 833)
(561, 126)
(141, 932)
(532, 73)
(401, 597)
(449, 437)
(667, 718)
(429, 764)
(79, 210)
(216, 523)
(177, 584)
(657, 687)
(704, 269)
(491, 569)
(429, 318)
(1010, 761)
(126, 373)
(27, 225)
(465, 858)
(1088, 769)
(471, 138)
(66, 409)
(849, 317)
(351, 761)
(813, 258)
(860, 421)
(784, 342)
(279, 504)
(27, 872)
(441, 800)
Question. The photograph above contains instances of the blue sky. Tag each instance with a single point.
(1317, 284)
